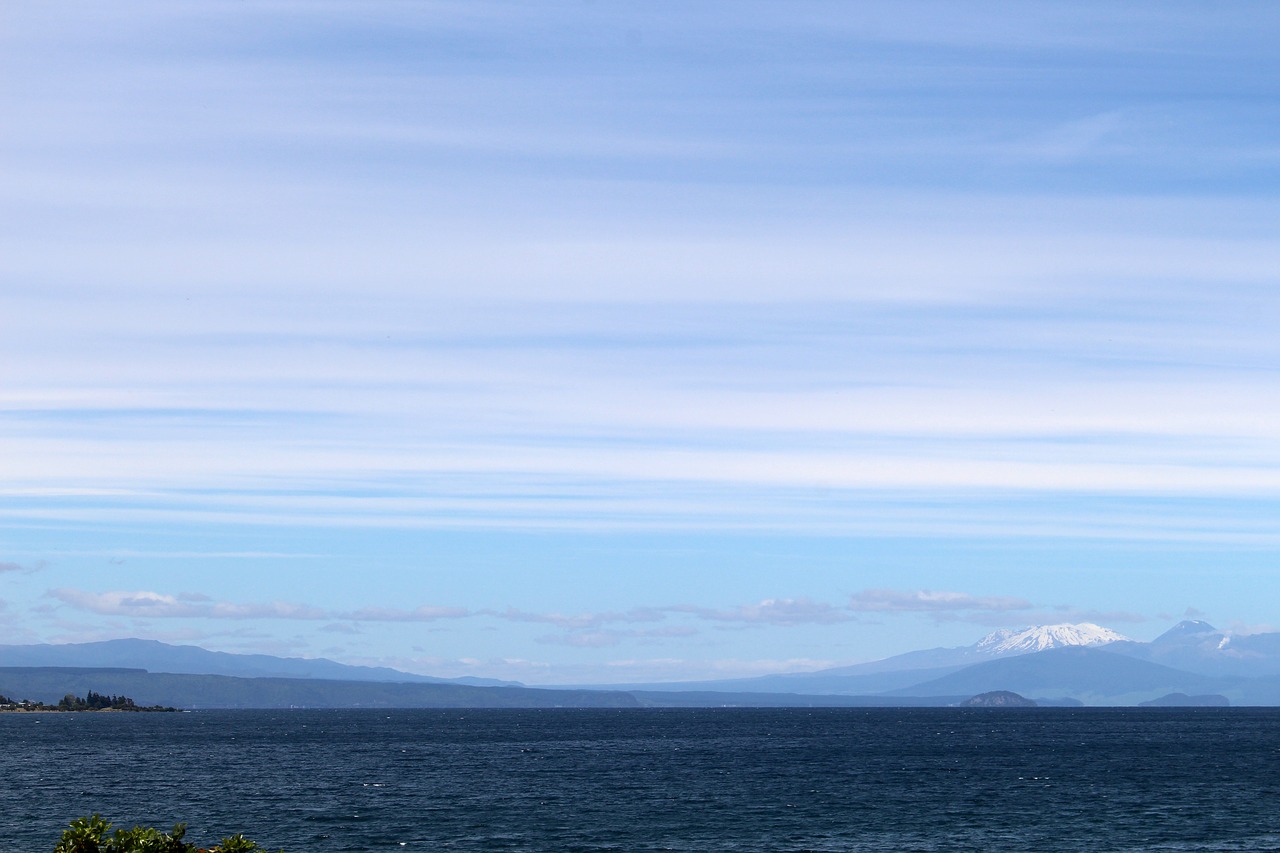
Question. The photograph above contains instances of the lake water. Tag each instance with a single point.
(919, 779)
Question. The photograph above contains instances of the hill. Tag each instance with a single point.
(188, 691)
(1054, 664)
(155, 656)
(1092, 675)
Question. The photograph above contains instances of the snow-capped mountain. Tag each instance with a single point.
(1054, 664)
(1038, 638)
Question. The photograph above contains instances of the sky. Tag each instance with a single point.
(606, 342)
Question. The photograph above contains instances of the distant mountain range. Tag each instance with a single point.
(1078, 663)
(1192, 663)
(1199, 647)
(193, 691)
(155, 656)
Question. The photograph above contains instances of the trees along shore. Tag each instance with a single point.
(92, 702)
(93, 835)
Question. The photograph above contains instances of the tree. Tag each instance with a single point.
(90, 835)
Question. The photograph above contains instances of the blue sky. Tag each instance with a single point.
(591, 341)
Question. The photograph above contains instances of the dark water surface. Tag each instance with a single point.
(696, 780)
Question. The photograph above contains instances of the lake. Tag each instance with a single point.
(840, 779)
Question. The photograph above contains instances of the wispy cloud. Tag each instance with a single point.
(147, 604)
(1071, 613)
(423, 613)
(1245, 629)
(615, 670)
(702, 270)
(776, 612)
(690, 669)
(8, 566)
(999, 611)
(588, 628)
(1075, 139)
(582, 621)
(773, 611)
(929, 601)
(602, 638)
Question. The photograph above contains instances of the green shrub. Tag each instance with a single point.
(90, 835)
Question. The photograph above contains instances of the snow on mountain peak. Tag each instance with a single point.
(1037, 638)
(1189, 630)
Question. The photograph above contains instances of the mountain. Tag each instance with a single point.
(1188, 630)
(1056, 664)
(155, 656)
(1001, 643)
(1092, 675)
(1197, 646)
(1182, 700)
(901, 671)
(1041, 638)
(188, 691)
(821, 682)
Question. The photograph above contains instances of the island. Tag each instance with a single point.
(93, 701)
(1182, 700)
(998, 699)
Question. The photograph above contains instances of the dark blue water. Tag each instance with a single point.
(641, 780)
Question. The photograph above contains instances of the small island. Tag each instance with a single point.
(1182, 700)
(92, 702)
(998, 699)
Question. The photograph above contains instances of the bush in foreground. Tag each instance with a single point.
(93, 835)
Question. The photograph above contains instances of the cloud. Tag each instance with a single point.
(140, 603)
(1099, 617)
(1237, 628)
(9, 566)
(1076, 139)
(773, 611)
(602, 638)
(424, 613)
(633, 669)
(582, 620)
(928, 601)
(999, 611)
(149, 604)
(781, 612)
(588, 627)
(682, 669)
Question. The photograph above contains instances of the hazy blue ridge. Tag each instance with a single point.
(156, 656)
(824, 682)
(1192, 658)
(223, 691)
(1073, 671)
(1209, 652)
(728, 699)
(1182, 700)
